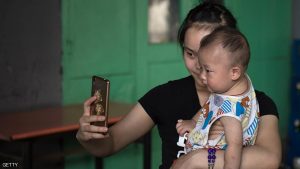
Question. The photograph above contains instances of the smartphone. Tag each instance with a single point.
(100, 89)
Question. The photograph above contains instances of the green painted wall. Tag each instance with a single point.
(110, 39)
(98, 39)
(267, 25)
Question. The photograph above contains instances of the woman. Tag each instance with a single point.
(181, 99)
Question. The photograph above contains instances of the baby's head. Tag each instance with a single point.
(231, 42)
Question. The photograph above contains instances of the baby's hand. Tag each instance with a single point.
(184, 126)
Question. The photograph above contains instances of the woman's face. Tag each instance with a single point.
(192, 39)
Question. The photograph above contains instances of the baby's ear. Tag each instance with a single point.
(236, 72)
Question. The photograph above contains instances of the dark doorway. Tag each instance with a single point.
(30, 54)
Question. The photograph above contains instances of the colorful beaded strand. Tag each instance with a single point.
(211, 158)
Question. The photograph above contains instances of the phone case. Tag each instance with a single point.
(100, 89)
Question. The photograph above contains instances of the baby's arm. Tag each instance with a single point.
(184, 126)
(196, 116)
(234, 139)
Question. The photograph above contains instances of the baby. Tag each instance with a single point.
(223, 58)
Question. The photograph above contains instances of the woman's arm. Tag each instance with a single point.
(135, 124)
(265, 154)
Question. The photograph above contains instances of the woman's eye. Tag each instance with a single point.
(190, 54)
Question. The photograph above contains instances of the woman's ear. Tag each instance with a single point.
(236, 72)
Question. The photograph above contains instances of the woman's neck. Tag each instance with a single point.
(203, 94)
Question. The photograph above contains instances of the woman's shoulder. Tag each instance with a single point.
(261, 96)
(176, 84)
(172, 88)
(170, 97)
(266, 104)
(180, 82)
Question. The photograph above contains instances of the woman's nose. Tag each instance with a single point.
(202, 74)
(197, 65)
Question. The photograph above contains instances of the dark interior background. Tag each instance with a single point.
(30, 59)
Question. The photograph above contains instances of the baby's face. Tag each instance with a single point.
(215, 68)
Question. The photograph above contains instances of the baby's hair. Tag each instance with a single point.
(232, 41)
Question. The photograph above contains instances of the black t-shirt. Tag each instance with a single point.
(178, 99)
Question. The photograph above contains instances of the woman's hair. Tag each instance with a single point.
(207, 15)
